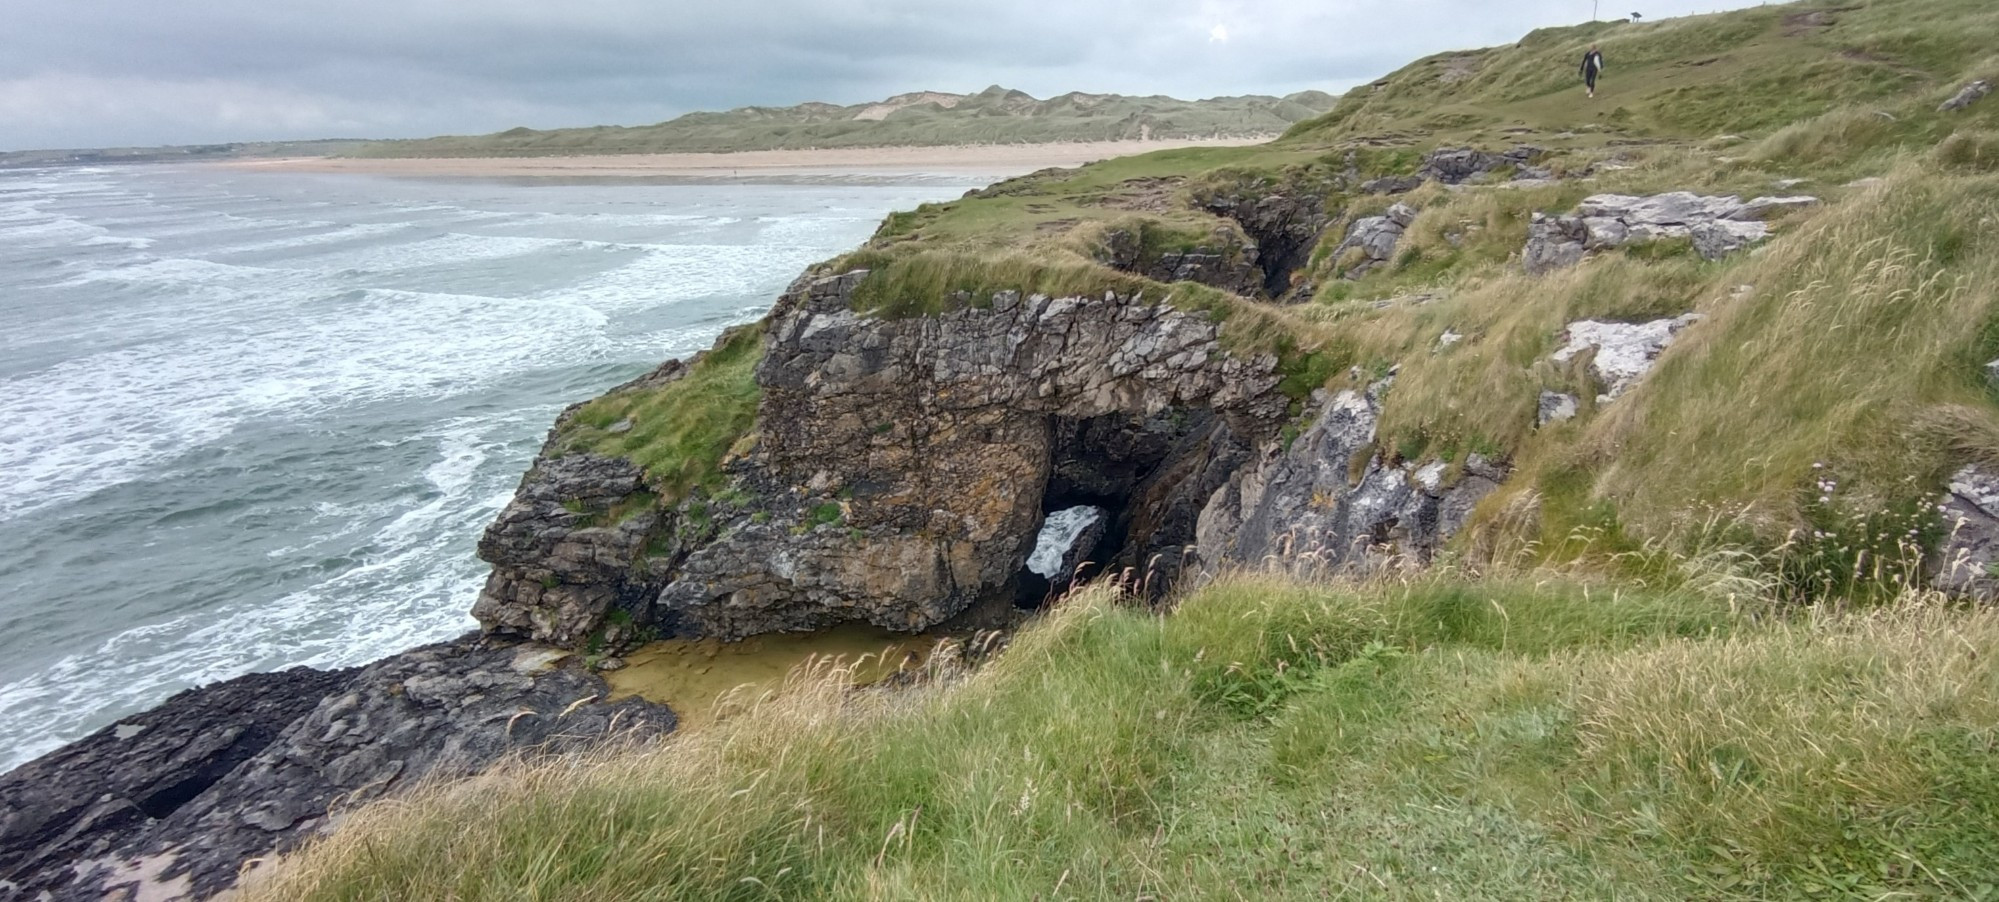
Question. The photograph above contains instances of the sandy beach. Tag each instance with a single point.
(994, 160)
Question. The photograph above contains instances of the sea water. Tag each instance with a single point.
(252, 420)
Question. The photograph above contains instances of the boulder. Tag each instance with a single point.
(1330, 503)
(559, 565)
(1376, 238)
(1556, 407)
(1966, 96)
(1620, 354)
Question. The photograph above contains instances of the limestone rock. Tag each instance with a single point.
(313, 741)
(1376, 238)
(946, 499)
(1717, 226)
(1329, 503)
(1620, 353)
(1966, 96)
(1967, 562)
(1556, 407)
(1554, 243)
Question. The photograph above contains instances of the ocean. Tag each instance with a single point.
(251, 420)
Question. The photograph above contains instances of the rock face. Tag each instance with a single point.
(169, 805)
(1967, 562)
(558, 571)
(1966, 96)
(1329, 503)
(1375, 237)
(1285, 224)
(1717, 226)
(900, 470)
(1620, 354)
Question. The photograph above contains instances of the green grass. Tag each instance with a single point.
(680, 432)
(1274, 740)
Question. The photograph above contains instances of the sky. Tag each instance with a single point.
(97, 73)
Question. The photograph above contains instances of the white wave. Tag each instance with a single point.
(1059, 534)
(414, 587)
(98, 420)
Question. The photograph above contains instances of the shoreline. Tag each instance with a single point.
(987, 159)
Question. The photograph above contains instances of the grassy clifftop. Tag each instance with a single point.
(927, 118)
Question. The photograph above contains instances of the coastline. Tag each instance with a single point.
(990, 159)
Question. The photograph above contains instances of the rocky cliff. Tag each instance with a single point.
(900, 467)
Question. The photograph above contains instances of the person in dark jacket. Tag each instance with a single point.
(1592, 67)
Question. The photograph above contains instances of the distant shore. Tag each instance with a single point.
(991, 159)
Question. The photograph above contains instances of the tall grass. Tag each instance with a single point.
(1469, 740)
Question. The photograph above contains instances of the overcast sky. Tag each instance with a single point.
(82, 73)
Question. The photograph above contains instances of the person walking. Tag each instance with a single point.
(1592, 67)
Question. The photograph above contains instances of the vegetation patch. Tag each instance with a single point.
(1422, 740)
(678, 432)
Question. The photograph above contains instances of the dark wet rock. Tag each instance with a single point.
(1329, 503)
(445, 710)
(1392, 184)
(1966, 96)
(1457, 165)
(1967, 560)
(80, 799)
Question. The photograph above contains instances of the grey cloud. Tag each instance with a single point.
(101, 72)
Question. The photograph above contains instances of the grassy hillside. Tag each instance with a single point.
(1503, 740)
(1685, 652)
(1852, 342)
(929, 118)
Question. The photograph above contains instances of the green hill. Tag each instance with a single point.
(926, 118)
(1696, 645)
